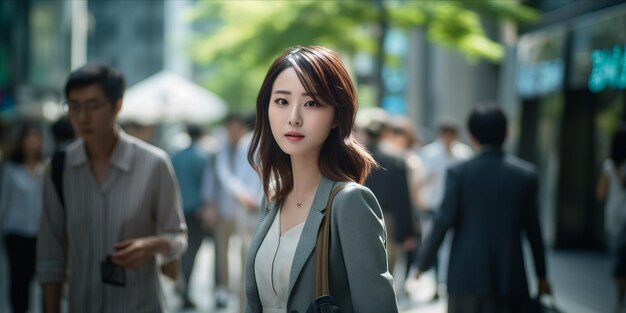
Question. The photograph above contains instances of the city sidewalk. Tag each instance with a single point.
(581, 281)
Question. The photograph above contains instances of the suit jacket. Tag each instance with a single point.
(358, 276)
(390, 185)
(490, 201)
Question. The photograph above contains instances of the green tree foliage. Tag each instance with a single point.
(241, 38)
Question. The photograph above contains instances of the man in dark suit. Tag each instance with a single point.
(490, 200)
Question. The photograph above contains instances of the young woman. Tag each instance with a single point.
(302, 147)
(612, 189)
(20, 208)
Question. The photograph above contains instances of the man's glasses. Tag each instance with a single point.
(75, 107)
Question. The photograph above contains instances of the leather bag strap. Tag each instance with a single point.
(322, 246)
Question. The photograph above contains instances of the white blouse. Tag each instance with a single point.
(272, 266)
(615, 204)
(21, 199)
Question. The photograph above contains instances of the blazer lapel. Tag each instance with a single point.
(255, 244)
(308, 238)
(264, 227)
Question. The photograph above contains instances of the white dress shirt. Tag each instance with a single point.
(436, 162)
(20, 199)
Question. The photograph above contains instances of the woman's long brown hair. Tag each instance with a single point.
(324, 76)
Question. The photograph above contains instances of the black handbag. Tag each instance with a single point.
(324, 302)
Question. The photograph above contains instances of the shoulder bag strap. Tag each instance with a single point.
(322, 247)
(57, 164)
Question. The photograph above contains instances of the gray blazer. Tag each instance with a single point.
(358, 273)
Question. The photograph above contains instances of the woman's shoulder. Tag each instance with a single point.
(349, 187)
(353, 193)
(355, 207)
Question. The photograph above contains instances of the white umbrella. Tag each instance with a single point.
(168, 97)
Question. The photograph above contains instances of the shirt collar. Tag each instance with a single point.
(491, 149)
(120, 158)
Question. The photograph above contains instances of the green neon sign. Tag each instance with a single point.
(608, 69)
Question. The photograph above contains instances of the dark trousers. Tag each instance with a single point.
(21, 253)
(429, 217)
(484, 304)
(411, 259)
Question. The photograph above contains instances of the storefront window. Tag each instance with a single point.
(540, 63)
(539, 87)
(599, 65)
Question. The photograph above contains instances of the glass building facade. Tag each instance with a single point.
(571, 87)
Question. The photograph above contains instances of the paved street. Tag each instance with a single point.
(581, 281)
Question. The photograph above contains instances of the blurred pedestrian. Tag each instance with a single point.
(403, 136)
(247, 187)
(490, 200)
(20, 209)
(189, 166)
(303, 148)
(437, 158)
(238, 192)
(390, 184)
(229, 198)
(117, 206)
(611, 189)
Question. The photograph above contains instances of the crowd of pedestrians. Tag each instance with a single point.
(97, 221)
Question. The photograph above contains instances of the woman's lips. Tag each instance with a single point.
(294, 136)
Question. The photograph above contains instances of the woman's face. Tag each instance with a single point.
(32, 142)
(299, 124)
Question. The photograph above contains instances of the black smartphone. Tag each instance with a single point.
(111, 273)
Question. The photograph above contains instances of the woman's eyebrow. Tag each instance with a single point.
(287, 92)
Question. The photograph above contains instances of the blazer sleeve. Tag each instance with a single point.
(445, 218)
(362, 236)
(533, 228)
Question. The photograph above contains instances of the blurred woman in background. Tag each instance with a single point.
(20, 208)
(612, 190)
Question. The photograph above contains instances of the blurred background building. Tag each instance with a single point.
(129, 35)
(570, 83)
(43, 39)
